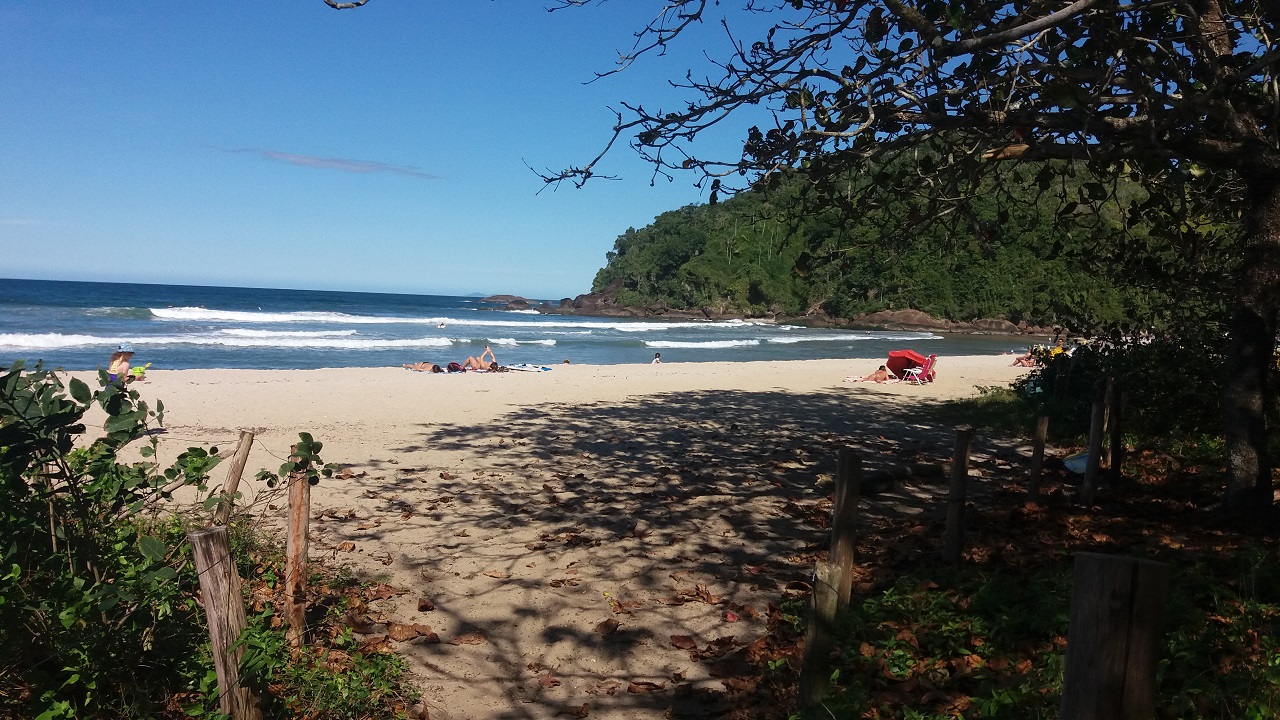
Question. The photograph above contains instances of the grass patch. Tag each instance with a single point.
(996, 409)
(990, 642)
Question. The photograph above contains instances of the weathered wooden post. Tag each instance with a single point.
(1116, 442)
(1097, 426)
(295, 561)
(232, 483)
(953, 540)
(1113, 643)
(1037, 457)
(224, 607)
(819, 638)
(844, 521)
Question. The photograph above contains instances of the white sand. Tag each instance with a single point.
(523, 504)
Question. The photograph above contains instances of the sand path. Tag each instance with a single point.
(565, 525)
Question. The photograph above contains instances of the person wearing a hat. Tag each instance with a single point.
(119, 365)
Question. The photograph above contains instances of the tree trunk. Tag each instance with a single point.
(1246, 396)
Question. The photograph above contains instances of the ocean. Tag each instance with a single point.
(76, 325)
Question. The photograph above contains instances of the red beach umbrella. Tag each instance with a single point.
(900, 360)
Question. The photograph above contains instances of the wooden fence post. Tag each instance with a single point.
(1113, 643)
(819, 638)
(1117, 434)
(844, 522)
(232, 483)
(295, 560)
(1037, 457)
(953, 540)
(1097, 426)
(224, 607)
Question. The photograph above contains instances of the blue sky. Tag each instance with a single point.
(286, 144)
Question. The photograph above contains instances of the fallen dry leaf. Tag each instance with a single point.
(401, 632)
(381, 591)
(609, 687)
(644, 686)
(730, 616)
(624, 607)
(796, 588)
(608, 627)
(346, 547)
(376, 645)
(578, 711)
(425, 605)
(499, 574)
(684, 642)
(474, 638)
(549, 681)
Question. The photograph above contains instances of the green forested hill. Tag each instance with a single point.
(788, 250)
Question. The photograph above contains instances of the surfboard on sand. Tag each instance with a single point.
(526, 367)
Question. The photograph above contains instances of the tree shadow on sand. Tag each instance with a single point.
(578, 542)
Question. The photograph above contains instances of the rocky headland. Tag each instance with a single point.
(605, 304)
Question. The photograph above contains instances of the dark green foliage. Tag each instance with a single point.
(990, 642)
(89, 589)
(736, 255)
(336, 681)
(1172, 387)
(98, 617)
(1004, 251)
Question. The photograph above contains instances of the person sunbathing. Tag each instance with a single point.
(881, 375)
(1028, 360)
(423, 367)
(479, 363)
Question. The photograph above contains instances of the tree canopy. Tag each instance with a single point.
(772, 251)
(1180, 97)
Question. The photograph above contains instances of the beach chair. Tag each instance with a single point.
(921, 374)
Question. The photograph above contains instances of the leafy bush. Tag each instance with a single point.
(336, 680)
(89, 592)
(1170, 386)
(941, 642)
(98, 616)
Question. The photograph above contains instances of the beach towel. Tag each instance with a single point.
(526, 367)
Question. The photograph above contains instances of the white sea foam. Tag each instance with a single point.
(853, 337)
(51, 340)
(344, 343)
(244, 332)
(197, 313)
(207, 315)
(512, 342)
(54, 340)
(700, 345)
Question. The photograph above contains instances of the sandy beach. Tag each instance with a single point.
(556, 529)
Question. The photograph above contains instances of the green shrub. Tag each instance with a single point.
(92, 615)
(1171, 387)
(98, 617)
